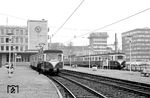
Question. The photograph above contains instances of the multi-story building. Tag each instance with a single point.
(139, 39)
(71, 50)
(17, 41)
(98, 42)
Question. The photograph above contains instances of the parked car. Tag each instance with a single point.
(94, 67)
(6, 65)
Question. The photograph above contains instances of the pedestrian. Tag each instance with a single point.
(12, 68)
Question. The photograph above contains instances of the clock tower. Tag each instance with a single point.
(37, 33)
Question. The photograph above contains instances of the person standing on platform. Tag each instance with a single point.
(10, 69)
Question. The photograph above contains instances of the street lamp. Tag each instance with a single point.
(14, 55)
(70, 53)
(10, 38)
(89, 58)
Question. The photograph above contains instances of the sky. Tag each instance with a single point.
(91, 15)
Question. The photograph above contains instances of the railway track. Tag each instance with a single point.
(114, 88)
(74, 89)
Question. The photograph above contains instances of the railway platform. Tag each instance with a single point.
(26, 83)
(120, 74)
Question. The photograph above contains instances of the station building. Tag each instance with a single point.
(21, 41)
(139, 39)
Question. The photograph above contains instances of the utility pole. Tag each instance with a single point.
(70, 52)
(89, 57)
(9, 41)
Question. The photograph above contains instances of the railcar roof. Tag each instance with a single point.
(53, 51)
(106, 54)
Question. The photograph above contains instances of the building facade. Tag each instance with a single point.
(98, 42)
(16, 43)
(71, 50)
(20, 42)
(139, 39)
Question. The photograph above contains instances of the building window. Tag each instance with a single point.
(21, 48)
(7, 40)
(26, 47)
(12, 48)
(26, 32)
(2, 48)
(2, 31)
(6, 31)
(17, 48)
(7, 48)
(2, 40)
(26, 40)
(17, 31)
(17, 39)
(21, 32)
(21, 40)
(12, 31)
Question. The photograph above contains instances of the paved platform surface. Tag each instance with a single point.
(31, 84)
(126, 75)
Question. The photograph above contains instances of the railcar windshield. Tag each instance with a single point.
(54, 57)
(120, 57)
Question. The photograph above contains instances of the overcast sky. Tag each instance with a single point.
(91, 15)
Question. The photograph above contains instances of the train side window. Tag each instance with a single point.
(96, 58)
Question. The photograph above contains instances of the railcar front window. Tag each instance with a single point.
(120, 57)
(53, 57)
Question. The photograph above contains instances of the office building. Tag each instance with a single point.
(139, 39)
(98, 42)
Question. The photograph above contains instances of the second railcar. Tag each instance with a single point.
(111, 60)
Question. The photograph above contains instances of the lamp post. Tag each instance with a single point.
(9, 41)
(89, 57)
(15, 59)
(14, 55)
(70, 44)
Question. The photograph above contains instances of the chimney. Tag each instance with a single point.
(116, 43)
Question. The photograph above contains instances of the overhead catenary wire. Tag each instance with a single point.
(20, 18)
(68, 18)
(118, 21)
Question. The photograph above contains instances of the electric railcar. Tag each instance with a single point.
(110, 60)
(50, 61)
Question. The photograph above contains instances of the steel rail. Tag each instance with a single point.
(113, 84)
(86, 87)
(66, 89)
